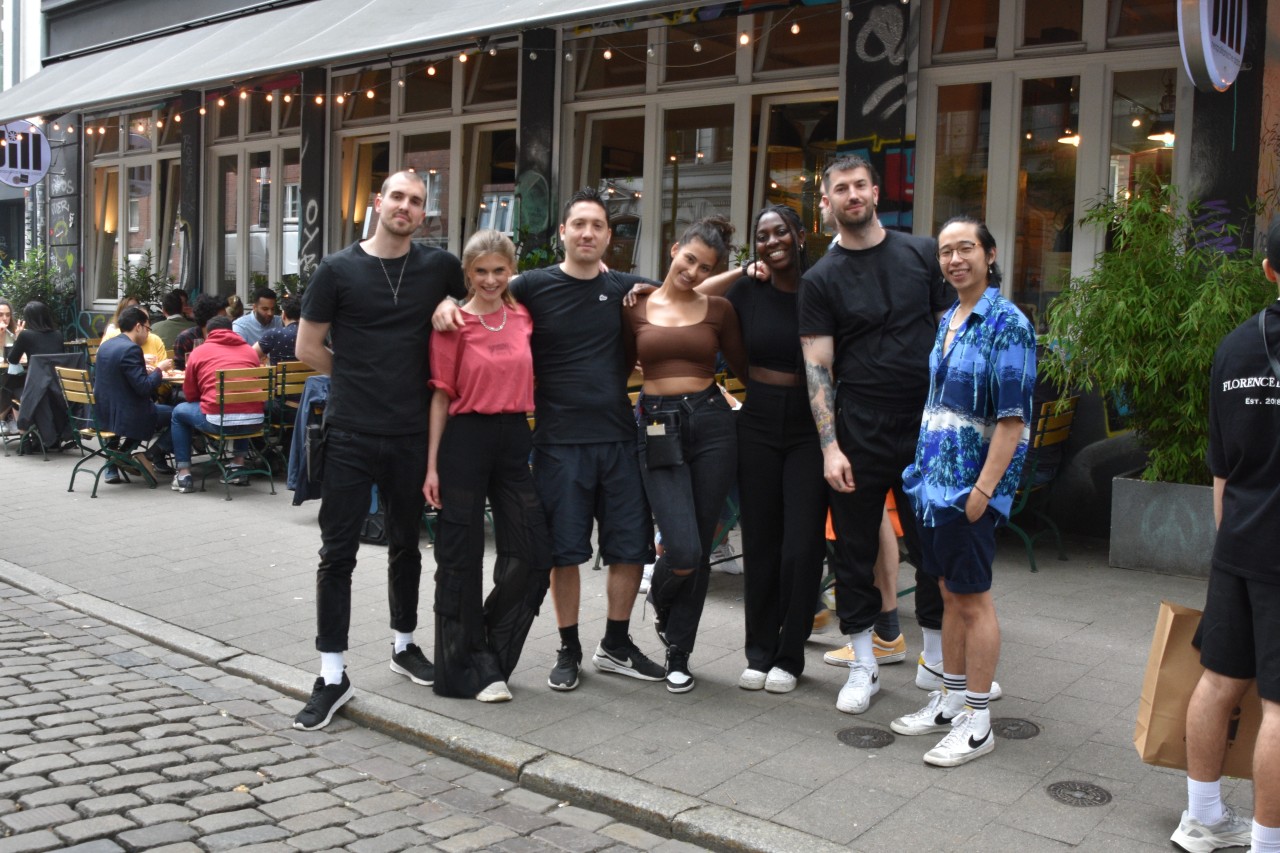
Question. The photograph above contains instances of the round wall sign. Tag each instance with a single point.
(24, 154)
(1211, 34)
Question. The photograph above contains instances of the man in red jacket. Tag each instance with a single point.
(222, 349)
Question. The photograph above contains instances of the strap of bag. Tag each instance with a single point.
(1262, 328)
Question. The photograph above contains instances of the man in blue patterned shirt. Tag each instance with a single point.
(973, 440)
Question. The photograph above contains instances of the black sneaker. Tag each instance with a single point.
(659, 620)
(235, 476)
(564, 675)
(679, 679)
(626, 660)
(325, 700)
(414, 664)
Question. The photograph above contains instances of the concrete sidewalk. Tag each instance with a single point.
(720, 766)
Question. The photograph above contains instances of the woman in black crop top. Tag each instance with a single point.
(688, 442)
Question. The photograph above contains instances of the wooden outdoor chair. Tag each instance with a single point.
(288, 382)
(93, 440)
(1050, 432)
(241, 385)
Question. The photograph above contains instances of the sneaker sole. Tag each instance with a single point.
(685, 688)
(751, 683)
(957, 760)
(779, 688)
(851, 709)
(1205, 844)
(909, 731)
(564, 688)
(395, 667)
(342, 700)
(606, 664)
(833, 658)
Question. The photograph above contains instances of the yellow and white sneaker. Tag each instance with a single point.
(886, 651)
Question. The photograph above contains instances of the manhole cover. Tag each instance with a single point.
(1013, 728)
(1079, 794)
(863, 737)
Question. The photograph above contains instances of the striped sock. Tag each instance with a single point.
(954, 683)
(977, 701)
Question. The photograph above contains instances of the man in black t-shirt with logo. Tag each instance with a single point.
(1239, 634)
(584, 455)
(374, 299)
(868, 318)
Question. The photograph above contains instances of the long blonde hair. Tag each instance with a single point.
(489, 242)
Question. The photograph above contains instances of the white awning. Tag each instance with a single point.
(289, 38)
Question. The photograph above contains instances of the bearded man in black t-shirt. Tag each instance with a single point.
(374, 300)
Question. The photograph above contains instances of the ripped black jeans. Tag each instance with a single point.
(479, 640)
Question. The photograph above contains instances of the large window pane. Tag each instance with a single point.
(798, 38)
(963, 25)
(138, 239)
(1049, 138)
(225, 110)
(259, 213)
(227, 180)
(290, 106)
(102, 136)
(960, 164)
(259, 111)
(1051, 23)
(428, 86)
(364, 168)
(491, 78)
(613, 61)
(290, 201)
(355, 91)
(106, 230)
(701, 50)
(1143, 108)
(170, 233)
(139, 137)
(1127, 18)
(428, 155)
(800, 137)
(613, 161)
(493, 181)
(170, 124)
(697, 167)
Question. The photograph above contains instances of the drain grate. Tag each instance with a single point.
(1013, 728)
(865, 737)
(1079, 793)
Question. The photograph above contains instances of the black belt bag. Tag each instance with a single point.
(663, 446)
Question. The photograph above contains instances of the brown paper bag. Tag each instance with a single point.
(1173, 670)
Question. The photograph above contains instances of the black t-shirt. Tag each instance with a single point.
(880, 305)
(31, 342)
(380, 348)
(770, 323)
(578, 360)
(1244, 421)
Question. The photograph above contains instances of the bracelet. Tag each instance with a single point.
(979, 490)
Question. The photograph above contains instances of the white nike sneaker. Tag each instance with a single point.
(863, 683)
(961, 745)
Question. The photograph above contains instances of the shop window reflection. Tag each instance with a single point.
(800, 138)
(697, 168)
(428, 155)
(963, 146)
(365, 165)
(961, 26)
(106, 227)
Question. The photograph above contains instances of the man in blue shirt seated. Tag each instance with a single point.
(123, 386)
(253, 325)
(278, 344)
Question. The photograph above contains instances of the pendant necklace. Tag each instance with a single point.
(501, 325)
(395, 289)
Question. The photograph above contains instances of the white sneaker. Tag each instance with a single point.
(960, 745)
(933, 717)
(928, 678)
(646, 579)
(1194, 837)
(779, 681)
(863, 683)
(729, 564)
(496, 692)
(752, 679)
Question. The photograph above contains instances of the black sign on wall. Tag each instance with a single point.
(62, 235)
(536, 127)
(312, 192)
(190, 196)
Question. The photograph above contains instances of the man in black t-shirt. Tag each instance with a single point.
(1239, 634)
(373, 299)
(868, 317)
(584, 459)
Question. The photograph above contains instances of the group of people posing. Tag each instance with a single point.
(893, 364)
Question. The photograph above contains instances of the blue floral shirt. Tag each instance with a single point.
(988, 374)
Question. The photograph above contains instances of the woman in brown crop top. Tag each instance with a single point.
(687, 437)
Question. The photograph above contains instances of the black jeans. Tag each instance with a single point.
(479, 643)
(354, 463)
(879, 445)
(686, 501)
(784, 513)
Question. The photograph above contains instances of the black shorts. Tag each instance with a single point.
(961, 553)
(1239, 634)
(579, 483)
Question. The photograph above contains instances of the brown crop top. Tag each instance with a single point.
(665, 352)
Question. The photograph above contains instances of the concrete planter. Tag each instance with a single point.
(1161, 527)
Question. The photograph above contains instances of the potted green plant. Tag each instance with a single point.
(35, 278)
(1143, 326)
(143, 282)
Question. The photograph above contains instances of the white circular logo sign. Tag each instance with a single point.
(1211, 34)
(24, 154)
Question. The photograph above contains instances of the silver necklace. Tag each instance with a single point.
(395, 289)
(501, 325)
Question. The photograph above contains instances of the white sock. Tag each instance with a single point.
(1204, 800)
(1266, 839)
(331, 666)
(403, 640)
(862, 648)
(932, 647)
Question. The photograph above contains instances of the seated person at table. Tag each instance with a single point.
(207, 307)
(277, 344)
(153, 351)
(37, 334)
(222, 349)
(253, 324)
(123, 385)
(174, 322)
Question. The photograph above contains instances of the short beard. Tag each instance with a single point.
(858, 223)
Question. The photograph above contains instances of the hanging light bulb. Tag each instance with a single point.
(203, 111)
(848, 14)
(431, 71)
(744, 39)
(341, 99)
(222, 102)
(71, 128)
(568, 56)
(159, 123)
(697, 46)
(795, 29)
(178, 118)
(288, 99)
(319, 99)
(608, 54)
(462, 57)
(649, 52)
(533, 56)
(400, 83)
(369, 94)
(244, 94)
(270, 97)
(493, 51)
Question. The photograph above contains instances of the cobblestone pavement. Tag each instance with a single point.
(110, 743)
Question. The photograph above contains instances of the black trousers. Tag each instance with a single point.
(686, 500)
(479, 643)
(354, 462)
(879, 445)
(784, 512)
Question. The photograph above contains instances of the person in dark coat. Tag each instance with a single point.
(123, 385)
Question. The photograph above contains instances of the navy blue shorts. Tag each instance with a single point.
(961, 553)
(582, 483)
(1239, 633)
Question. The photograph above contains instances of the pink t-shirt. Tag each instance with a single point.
(483, 371)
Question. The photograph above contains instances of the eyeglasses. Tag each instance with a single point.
(964, 249)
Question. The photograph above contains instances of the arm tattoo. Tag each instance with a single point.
(821, 395)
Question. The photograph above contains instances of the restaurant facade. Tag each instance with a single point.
(232, 144)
